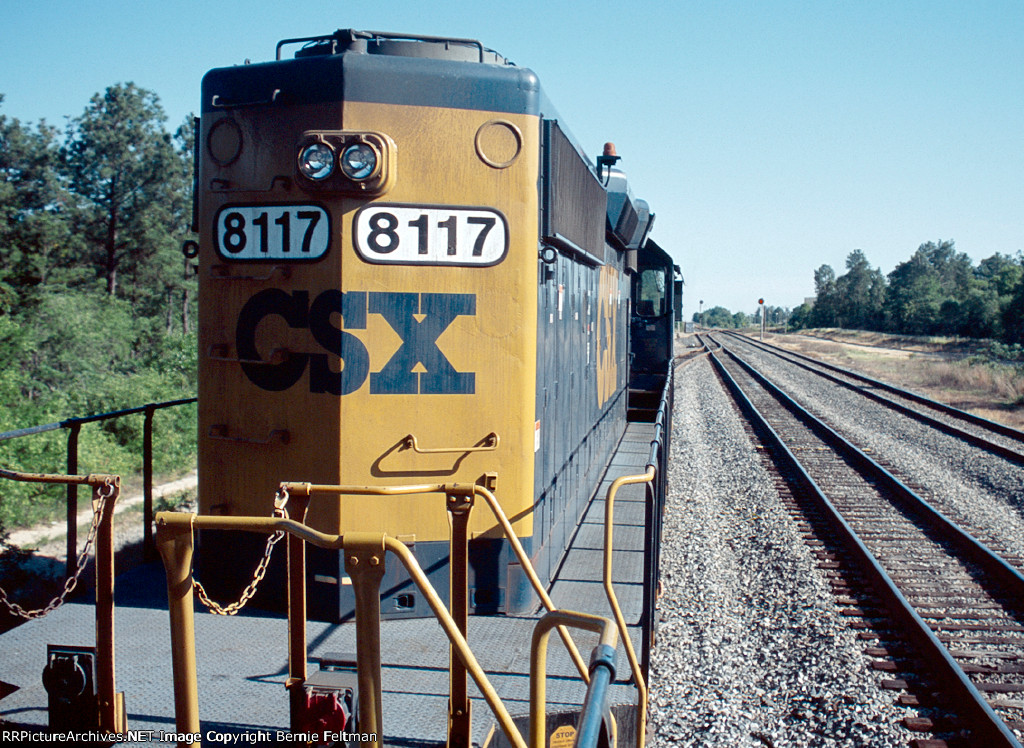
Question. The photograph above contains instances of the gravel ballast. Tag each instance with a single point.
(981, 491)
(750, 649)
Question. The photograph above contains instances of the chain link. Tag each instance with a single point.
(261, 568)
(104, 493)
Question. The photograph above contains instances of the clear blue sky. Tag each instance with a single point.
(768, 137)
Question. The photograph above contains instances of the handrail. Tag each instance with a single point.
(112, 717)
(307, 489)
(68, 422)
(490, 443)
(177, 552)
(175, 541)
(634, 664)
(597, 690)
(73, 425)
(655, 467)
(595, 712)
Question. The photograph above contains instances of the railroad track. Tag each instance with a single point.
(993, 437)
(946, 608)
(692, 353)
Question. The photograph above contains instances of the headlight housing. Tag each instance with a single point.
(346, 161)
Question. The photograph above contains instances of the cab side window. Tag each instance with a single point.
(651, 297)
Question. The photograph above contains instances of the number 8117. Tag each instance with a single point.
(430, 235)
(272, 232)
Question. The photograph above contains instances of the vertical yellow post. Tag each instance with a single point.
(364, 563)
(613, 600)
(459, 718)
(111, 707)
(297, 612)
(176, 548)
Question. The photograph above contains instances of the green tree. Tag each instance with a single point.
(128, 178)
(936, 292)
(717, 316)
(914, 298)
(826, 304)
(859, 294)
(1000, 272)
(979, 315)
(1013, 313)
(801, 317)
(953, 269)
(996, 278)
(112, 204)
(36, 242)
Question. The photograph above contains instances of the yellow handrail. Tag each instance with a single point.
(538, 660)
(307, 489)
(105, 491)
(490, 444)
(174, 538)
(177, 552)
(609, 514)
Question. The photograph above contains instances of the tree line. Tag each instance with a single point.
(938, 291)
(96, 299)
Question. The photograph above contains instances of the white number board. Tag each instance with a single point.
(430, 235)
(272, 232)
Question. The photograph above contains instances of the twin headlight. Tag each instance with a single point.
(316, 161)
(351, 161)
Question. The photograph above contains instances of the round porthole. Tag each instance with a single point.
(498, 143)
(224, 142)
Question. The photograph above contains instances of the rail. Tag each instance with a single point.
(987, 423)
(655, 479)
(990, 728)
(364, 562)
(74, 425)
(874, 386)
(105, 491)
(491, 500)
(602, 672)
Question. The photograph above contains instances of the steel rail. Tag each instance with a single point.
(977, 550)
(999, 428)
(965, 695)
(74, 425)
(68, 422)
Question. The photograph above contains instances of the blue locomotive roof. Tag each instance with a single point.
(355, 74)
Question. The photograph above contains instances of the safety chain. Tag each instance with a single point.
(103, 493)
(280, 500)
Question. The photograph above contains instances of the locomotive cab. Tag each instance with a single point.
(657, 295)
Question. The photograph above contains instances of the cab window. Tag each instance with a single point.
(651, 299)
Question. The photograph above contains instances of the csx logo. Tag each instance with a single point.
(418, 318)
